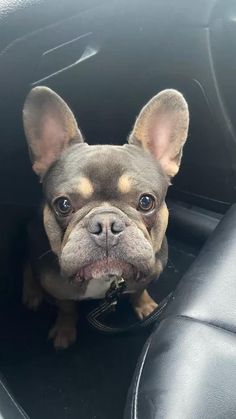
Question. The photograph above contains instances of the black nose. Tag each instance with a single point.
(106, 229)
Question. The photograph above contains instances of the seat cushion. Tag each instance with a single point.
(9, 408)
(188, 366)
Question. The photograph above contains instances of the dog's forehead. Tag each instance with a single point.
(105, 168)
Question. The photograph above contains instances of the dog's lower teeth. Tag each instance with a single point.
(79, 278)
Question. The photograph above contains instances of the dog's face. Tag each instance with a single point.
(105, 212)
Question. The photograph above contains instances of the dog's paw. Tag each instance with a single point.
(145, 309)
(63, 335)
(143, 304)
(32, 296)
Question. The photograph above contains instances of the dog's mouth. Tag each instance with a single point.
(106, 269)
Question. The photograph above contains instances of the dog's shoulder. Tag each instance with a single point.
(39, 249)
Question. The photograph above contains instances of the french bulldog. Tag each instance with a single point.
(104, 210)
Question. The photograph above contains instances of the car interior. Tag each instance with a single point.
(107, 59)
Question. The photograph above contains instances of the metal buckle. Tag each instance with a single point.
(117, 287)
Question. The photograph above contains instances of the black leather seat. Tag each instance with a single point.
(9, 408)
(188, 367)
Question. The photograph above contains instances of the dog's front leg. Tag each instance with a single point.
(64, 331)
(143, 304)
(32, 290)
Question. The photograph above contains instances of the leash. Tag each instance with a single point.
(109, 304)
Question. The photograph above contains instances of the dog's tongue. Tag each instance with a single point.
(105, 268)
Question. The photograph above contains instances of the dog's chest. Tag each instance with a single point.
(97, 288)
(61, 289)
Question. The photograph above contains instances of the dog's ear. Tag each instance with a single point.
(50, 127)
(162, 127)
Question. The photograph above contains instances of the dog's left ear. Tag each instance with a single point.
(162, 127)
(50, 127)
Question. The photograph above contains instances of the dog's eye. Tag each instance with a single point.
(63, 206)
(146, 203)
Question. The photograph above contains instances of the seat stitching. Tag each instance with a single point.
(13, 401)
(137, 380)
(206, 323)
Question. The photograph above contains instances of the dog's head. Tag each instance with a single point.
(105, 213)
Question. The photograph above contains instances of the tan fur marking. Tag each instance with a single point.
(124, 184)
(46, 215)
(32, 291)
(143, 304)
(52, 229)
(158, 267)
(85, 187)
(159, 229)
(67, 233)
(64, 331)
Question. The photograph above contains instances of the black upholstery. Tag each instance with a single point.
(9, 408)
(188, 367)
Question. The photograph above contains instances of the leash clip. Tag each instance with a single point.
(117, 287)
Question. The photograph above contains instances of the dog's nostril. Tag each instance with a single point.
(106, 226)
(117, 227)
(97, 228)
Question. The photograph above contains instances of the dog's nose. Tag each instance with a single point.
(106, 229)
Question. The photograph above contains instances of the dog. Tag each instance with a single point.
(104, 210)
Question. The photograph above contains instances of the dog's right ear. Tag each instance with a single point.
(50, 127)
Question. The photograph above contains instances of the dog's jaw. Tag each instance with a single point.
(97, 277)
(106, 268)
